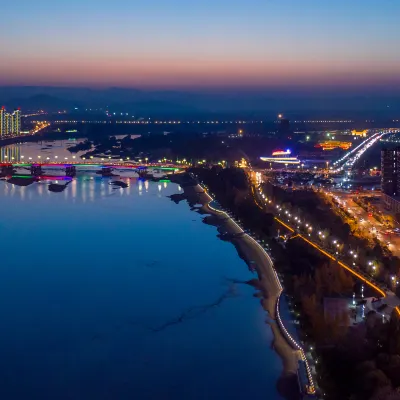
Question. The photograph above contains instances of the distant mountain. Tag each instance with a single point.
(266, 104)
(42, 101)
(140, 108)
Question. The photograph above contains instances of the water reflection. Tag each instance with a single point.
(86, 188)
(90, 295)
(10, 153)
(46, 150)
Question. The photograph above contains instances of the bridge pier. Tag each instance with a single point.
(36, 170)
(105, 171)
(142, 172)
(70, 171)
(6, 169)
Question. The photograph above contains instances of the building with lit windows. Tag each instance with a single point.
(390, 171)
(2, 121)
(16, 122)
(333, 144)
(363, 133)
(10, 124)
(390, 178)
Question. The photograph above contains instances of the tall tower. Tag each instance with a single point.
(16, 122)
(2, 121)
(389, 171)
(8, 124)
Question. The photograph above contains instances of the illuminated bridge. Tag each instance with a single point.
(70, 169)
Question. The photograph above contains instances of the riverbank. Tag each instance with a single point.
(268, 283)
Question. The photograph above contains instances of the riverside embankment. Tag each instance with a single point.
(256, 257)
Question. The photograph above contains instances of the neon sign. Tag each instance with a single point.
(282, 153)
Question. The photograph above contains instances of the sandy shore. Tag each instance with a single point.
(249, 250)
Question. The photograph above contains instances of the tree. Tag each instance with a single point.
(373, 380)
(386, 393)
(390, 365)
(393, 333)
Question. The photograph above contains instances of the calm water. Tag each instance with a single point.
(123, 294)
(47, 150)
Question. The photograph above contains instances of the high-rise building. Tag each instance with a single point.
(390, 179)
(16, 122)
(2, 121)
(390, 176)
(10, 124)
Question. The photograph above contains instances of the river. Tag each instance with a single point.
(121, 293)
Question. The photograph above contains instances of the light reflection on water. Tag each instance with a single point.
(46, 150)
(89, 187)
(108, 294)
(52, 150)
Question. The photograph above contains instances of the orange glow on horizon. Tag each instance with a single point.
(164, 71)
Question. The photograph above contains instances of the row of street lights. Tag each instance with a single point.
(321, 235)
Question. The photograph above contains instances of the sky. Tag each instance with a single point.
(201, 44)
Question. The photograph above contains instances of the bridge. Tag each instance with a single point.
(70, 168)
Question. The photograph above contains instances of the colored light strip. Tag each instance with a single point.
(55, 178)
(288, 160)
(93, 165)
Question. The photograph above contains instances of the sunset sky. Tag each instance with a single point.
(208, 43)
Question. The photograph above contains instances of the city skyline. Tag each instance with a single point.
(204, 45)
(10, 123)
